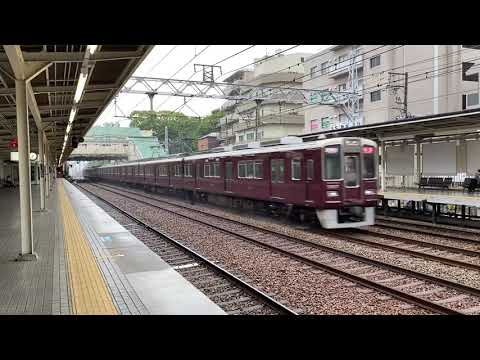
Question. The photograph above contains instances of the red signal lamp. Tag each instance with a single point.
(13, 144)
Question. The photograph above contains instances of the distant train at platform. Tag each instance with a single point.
(333, 180)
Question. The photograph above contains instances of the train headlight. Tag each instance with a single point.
(370, 192)
(332, 194)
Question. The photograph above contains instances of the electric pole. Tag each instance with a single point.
(208, 71)
(394, 90)
(257, 117)
(150, 96)
(166, 140)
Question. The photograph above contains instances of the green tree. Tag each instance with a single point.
(183, 131)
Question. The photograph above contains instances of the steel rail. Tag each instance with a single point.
(422, 242)
(414, 253)
(425, 304)
(258, 293)
(409, 227)
(352, 238)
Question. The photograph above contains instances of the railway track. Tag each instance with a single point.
(429, 292)
(443, 231)
(422, 249)
(416, 248)
(233, 295)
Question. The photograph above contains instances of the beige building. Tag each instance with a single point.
(238, 124)
(441, 78)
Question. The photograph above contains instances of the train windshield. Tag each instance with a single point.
(351, 170)
(333, 167)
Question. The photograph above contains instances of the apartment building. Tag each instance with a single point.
(239, 123)
(441, 78)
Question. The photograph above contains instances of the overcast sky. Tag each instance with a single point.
(159, 64)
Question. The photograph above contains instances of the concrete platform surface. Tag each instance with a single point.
(32, 287)
(151, 282)
(454, 197)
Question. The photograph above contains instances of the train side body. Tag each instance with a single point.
(336, 178)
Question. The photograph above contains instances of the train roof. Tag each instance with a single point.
(250, 151)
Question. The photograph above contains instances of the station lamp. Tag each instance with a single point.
(80, 85)
(92, 48)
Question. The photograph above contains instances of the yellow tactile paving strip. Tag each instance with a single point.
(89, 293)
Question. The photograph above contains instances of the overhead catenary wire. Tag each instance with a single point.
(153, 67)
(217, 63)
(304, 106)
(336, 69)
(253, 63)
(380, 84)
(176, 72)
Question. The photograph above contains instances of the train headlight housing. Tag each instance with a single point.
(370, 192)
(332, 194)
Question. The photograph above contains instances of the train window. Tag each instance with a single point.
(177, 170)
(242, 169)
(187, 170)
(278, 170)
(333, 169)
(281, 170)
(273, 169)
(351, 171)
(216, 170)
(206, 170)
(228, 170)
(296, 170)
(258, 170)
(249, 169)
(310, 169)
(163, 170)
(369, 162)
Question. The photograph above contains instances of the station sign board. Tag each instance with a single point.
(14, 156)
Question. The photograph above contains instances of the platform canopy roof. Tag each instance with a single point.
(453, 123)
(52, 94)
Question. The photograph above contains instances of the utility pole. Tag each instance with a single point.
(405, 96)
(166, 140)
(150, 96)
(257, 117)
(394, 89)
(208, 71)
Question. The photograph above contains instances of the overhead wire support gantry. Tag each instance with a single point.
(218, 90)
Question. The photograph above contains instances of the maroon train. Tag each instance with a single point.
(334, 179)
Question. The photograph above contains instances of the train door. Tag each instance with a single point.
(197, 174)
(228, 178)
(277, 178)
(351, 171)
(309, 177)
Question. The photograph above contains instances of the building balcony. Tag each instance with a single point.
(343, 67)
(228, 119)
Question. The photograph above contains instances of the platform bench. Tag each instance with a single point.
(435, 183)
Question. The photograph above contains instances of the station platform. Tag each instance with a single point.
(448, 197)
(88, 264)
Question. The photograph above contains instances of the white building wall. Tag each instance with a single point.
(276, 71)
(435, 81)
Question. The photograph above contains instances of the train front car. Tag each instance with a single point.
(349, 177)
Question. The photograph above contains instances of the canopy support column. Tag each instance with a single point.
(24, 175)
(40, 168)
